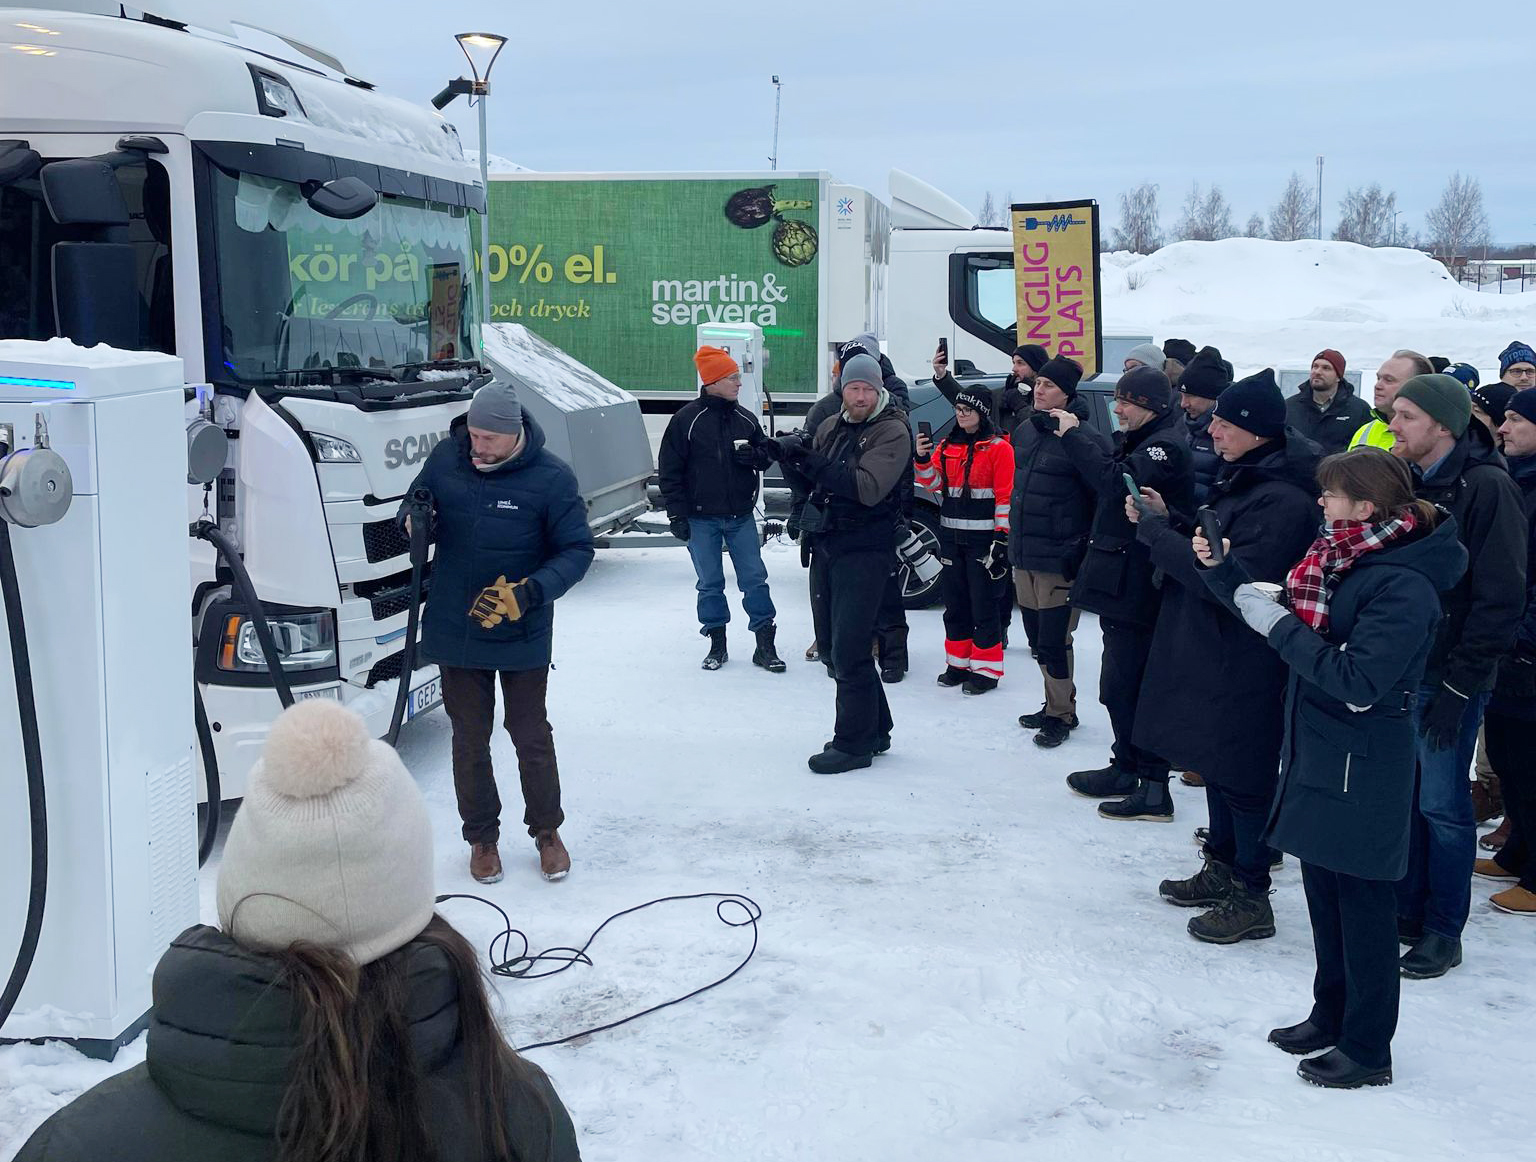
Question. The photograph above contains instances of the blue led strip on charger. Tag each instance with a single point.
(50, 384)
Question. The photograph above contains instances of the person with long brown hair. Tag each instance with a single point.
(332, 1016)
(1354, 623)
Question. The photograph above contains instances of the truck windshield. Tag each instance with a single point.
(301, 293)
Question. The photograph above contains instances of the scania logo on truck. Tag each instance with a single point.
(412, 449)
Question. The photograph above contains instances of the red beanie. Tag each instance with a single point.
(714, 363)
(1334, 358)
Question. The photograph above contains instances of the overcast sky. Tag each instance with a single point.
(1045, 102)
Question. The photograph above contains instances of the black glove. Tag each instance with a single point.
(792, 526)
(745, 455)
(996, 560)
(1440, 721)
(1044, 421)
(791, 447)
(679, 527)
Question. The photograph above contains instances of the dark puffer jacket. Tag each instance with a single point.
(1207, 667)
(1203, 456)
(1481, 613)
(697, 466)
(1515, 691)
(1116, 576)
(222, 1039)
(1330, 428)
(523, 519)
(1345, 797)
(1052, 508)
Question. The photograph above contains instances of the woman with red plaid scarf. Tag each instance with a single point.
(1355, 624)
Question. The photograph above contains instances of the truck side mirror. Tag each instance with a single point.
(84, 191)
(17, 162)
(344, 198)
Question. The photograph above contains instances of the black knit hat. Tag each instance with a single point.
(1523, 404)
(1255, 405)
(1063, 372)
(1181, 349)
(1206, 375)
(1033, 354)
(1146, 387)
(1493, 398)
(975, 399)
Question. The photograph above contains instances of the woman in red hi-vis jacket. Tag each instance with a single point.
(972, 471)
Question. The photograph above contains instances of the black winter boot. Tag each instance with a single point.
(1149, 801)
(765, 655)
(1243, 915)
(1210, 885)
(1055, 732)
(1105, 783)
(953, 676)
(717, 655)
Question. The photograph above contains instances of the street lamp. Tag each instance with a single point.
(481, 50)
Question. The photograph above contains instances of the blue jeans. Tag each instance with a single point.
(738, 534)
(1442, 843)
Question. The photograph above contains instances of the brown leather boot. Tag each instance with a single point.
(1487, 802)
(1191, 779)
(554, 860)
(485, 863)
(1497, 838)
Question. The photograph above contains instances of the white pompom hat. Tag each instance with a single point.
(332, 845)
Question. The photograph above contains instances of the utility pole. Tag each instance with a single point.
(1395, 213)
(1319, 197)
(778, 97)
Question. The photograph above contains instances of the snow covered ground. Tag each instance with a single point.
(1276, 304)
(958, 960)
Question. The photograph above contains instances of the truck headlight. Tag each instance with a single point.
(330, 450)
(305, 641)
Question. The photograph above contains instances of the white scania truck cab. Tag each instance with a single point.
(303, 243)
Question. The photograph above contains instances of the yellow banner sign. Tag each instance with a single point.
(1056, 271)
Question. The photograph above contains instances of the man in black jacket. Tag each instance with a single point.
(1115, 579)
(851, 471)
(1213, 699)
(1457, 467)
(1510, 723)
(1049, 515)
(1326, 409)
(709, 464)
(1204, 379)
(512, 536)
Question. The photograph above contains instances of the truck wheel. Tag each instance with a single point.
(914, 593)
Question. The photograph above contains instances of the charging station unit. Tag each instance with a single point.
(105, 594)
(745, 343)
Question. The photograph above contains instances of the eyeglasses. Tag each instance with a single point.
(1522, 372)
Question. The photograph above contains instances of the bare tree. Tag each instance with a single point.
(1140, 229)
(1206, 217)
(1295, 214)
(1255, 225)
(989, 214)
(1458, 222)
(1366, 216)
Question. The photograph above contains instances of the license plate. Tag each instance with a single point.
(331, 692)
(424, 698)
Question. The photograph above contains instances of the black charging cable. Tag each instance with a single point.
(522, 966)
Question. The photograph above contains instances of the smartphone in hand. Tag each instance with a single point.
(1135, 493)
(925, 430)
(1210, 529)
(944, 348)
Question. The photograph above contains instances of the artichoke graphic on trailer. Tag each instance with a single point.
(795, 242)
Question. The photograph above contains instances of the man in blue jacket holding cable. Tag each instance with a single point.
(512, 537)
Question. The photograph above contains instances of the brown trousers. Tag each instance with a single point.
(469, 697)
(1047, 613)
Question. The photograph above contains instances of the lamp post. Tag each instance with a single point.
(1395, 213)
(481, 50)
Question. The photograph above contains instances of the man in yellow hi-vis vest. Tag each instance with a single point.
(1402, 366)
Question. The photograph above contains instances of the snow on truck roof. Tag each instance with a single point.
(84, 72)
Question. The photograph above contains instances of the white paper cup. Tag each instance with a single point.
(1270, 590)
(740, 444)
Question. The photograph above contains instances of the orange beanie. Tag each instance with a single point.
(714, 363)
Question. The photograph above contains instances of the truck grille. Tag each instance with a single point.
(386, 669)
(387, 596)
(383, 539)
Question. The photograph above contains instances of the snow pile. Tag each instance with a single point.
(532, 362)
(1278, 303)
(958, 959)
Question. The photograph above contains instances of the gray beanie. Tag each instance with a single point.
(495, 409)
(332, 844)
(861, 369)
(1444, 398)
(1148, 353)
